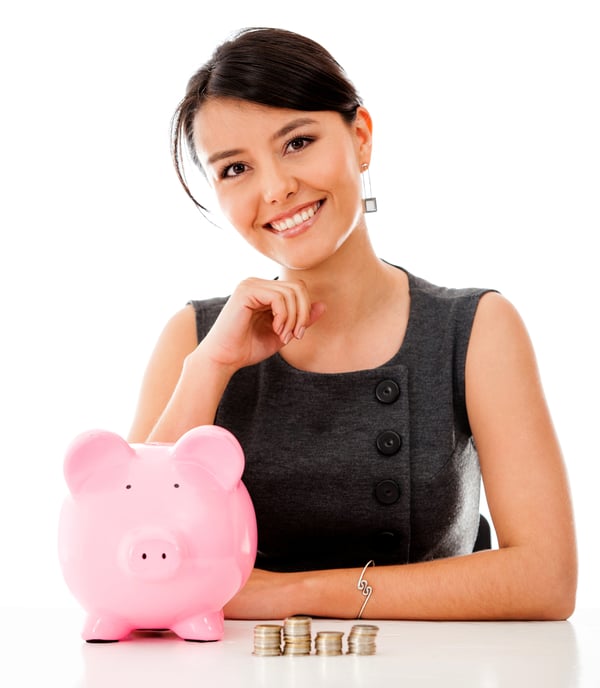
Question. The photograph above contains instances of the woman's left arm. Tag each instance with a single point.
(533, 573)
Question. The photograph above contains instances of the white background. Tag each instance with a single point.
(486, 170)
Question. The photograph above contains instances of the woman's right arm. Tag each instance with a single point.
(184, 380)
(170, 401)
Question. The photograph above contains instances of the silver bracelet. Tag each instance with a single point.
(364, 587)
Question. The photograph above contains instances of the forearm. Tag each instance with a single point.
(194, 400)
(510, 583)
(496, 584)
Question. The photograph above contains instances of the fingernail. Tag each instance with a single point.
(286, 339)
(301, 332)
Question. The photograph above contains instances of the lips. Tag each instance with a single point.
(285, 223)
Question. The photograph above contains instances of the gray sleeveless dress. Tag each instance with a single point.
(377, 464)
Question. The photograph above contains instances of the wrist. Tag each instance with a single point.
(329, 593)
(200, 364)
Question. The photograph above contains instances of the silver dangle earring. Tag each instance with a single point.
(369, 202)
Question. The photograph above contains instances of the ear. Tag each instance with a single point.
(215, 450)
(91, 451)
(363, 130)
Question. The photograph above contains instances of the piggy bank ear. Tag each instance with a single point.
(214, 449)
(91, 451)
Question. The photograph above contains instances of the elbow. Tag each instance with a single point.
(560, 608)
(557, 593)
(544, 584)
(561, 604)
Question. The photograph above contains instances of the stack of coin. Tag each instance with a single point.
(296, 635)
(361, 639)
(267, 640)
(329, 643)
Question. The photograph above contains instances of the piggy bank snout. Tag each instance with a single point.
(151, 555)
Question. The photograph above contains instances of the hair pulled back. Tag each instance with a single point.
(272, 67)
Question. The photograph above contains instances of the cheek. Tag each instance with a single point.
(335, 172)
(325, 172)
(236, 207)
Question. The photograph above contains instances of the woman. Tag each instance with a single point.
(358, 391)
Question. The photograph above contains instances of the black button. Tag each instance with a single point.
(387, 492)
(387, 391)
(386, 540)
(389, 442)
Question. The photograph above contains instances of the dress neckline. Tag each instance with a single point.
(393, 361)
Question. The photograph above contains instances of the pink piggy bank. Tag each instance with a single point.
(156, 536)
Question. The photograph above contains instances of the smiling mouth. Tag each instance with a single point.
(295, 219)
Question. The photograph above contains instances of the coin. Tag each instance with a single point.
(297, 625)
(361, 639)
(328, 643)
(267, 640)
(297, 639)
(297, 635)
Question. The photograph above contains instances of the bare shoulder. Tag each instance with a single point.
(176, 341)
(499, 337)
(180, 330)
(496, 312)
(505, 399)
(506, 405)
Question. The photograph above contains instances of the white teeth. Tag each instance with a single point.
(302, 216)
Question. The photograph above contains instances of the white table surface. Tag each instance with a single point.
(44, 648)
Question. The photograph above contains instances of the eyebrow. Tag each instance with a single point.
(294, 124)
(286, 129)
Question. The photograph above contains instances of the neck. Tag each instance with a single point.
(362, 295)
(350, 283)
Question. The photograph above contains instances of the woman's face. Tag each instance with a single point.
(287, 180)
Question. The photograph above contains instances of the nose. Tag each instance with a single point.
(155, 557)
(278, 183)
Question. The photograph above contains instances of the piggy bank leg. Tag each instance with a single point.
(100, 628)
(201, 627)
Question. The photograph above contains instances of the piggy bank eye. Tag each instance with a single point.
(176, 485)
(128, 487)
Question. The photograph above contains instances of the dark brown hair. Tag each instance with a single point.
(272, 67)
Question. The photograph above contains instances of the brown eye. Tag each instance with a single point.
(234, 170)
(298, 143)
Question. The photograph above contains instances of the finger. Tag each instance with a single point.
(283, 307)
(301, 313)
(289, 303)
(303, 308)
(316, 311)
(261, 296)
